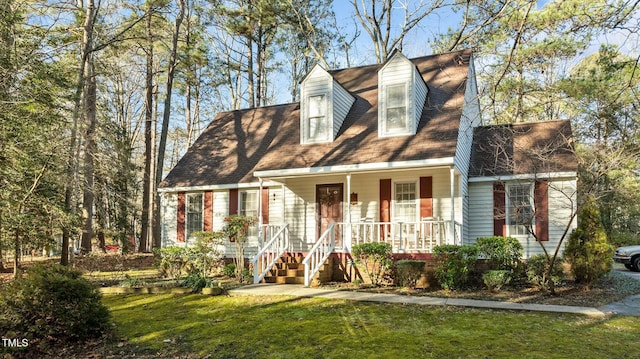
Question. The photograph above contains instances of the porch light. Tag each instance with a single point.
(353, 199)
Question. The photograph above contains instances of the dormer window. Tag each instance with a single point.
(318, 124)
(324, 105)
(396, 111)
(401, 97)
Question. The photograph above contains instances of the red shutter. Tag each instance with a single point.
(233, 201)
(541, 202)
(385, 200)
(499, 210)
(426, 197)
(207, 221)
(265, 205)
(385, 206)
(182, 201)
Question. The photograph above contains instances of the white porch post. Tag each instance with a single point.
(347, 233)
(452, 225)
(260, 219)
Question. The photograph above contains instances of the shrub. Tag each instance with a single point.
(453, 265)
(173, 261)
(237, 231)
(375, 259)
(502, 253)
(587, 250)
(621, 239)
(53, 305)
(196, 281)
(201, 257)
(496, 279)
(538, 272)
(229, 270)
(408, 272)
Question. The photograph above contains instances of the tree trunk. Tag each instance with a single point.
(89, 153)
(87, 41)
(148, 143)
(165, 119)
(16, 255)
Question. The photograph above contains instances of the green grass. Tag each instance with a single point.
(288, 327)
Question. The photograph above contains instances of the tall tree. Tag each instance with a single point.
(166, 115)
(31, 119)
(387, 22)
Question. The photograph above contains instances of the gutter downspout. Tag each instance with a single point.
(452, 228)
(347, 240)
(260, 219)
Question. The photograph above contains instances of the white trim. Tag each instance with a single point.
(360, 167)
(528, 176)
(416, 194)
(217, 187)
(508, 205)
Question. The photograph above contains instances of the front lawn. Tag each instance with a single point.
(196, 326)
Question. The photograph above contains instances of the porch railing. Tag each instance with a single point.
(269, 254)
(405, 237)
(319, 253)
(267, 231)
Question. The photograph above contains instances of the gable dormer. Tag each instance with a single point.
(401, 96)
(324, 104)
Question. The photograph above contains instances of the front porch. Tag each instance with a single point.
(339, 238)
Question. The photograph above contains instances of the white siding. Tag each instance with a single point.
(169, 205)
(342, 101)
(220, 209)
(561, 200)
(420, 91)
(339, 100)
(469, 120)
(480, 211)
(275, 205)
(301, 206)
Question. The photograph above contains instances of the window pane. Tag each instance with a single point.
(317, 128)
(317, 118)
(396, 96)
(404, 204)
(520, 209)
(194, 213)
(396, 110)
(317, 106)
(249, 203)
(396, 119)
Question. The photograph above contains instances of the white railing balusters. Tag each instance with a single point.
(319, 253)
(269, 254)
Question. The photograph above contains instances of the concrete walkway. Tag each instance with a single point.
(301, 291)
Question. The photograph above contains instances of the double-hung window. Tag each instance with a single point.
(405, 203)
(396, 109)
(520, 213)
(248, 206)
(194, 213)
(317, 119)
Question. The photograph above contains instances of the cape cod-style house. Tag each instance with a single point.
(394, 152)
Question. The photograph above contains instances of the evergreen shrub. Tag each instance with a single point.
(408, 272)
(454, 265)
(52, 305)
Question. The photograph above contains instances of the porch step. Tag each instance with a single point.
(290, 270)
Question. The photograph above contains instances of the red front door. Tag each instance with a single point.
(329, 198)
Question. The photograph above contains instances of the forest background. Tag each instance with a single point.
(100, 98)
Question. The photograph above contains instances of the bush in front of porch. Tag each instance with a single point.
(375, 258)
(454, 264)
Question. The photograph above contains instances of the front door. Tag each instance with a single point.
(329, 198)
